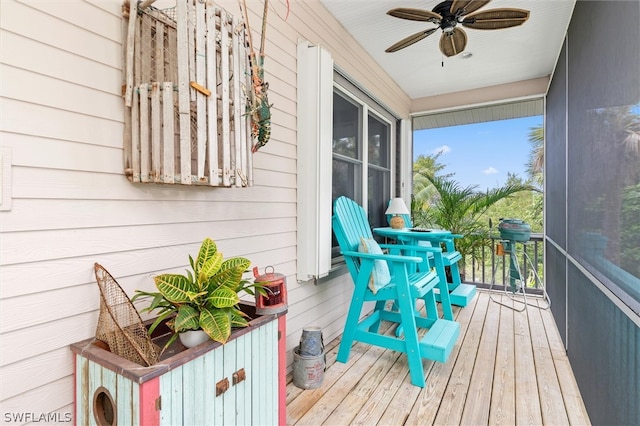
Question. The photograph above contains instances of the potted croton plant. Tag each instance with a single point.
(205, 301)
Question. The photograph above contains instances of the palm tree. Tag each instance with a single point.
(423, 166)
(615, 133)
(535, 165)
(459, 210)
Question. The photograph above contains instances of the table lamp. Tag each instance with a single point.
(396, 208)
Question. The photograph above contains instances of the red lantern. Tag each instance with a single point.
(275, 286)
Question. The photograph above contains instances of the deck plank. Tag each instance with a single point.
(527, 401)
(402, 400)
(450, 411)
(323, 408)
(476, 407)
(352, 404)
(306, 399)
(503, 393)
(374, 408)
(312, 406)
(550, 394)
(428, 399)
(507, 368)
(574, 405)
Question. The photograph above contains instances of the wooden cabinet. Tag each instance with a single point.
(238, 383)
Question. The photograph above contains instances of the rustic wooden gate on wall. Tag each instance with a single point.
(186, 76)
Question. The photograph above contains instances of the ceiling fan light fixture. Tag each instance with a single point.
(448, 14)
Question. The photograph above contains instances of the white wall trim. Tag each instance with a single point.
(315, 114)
(406, 160)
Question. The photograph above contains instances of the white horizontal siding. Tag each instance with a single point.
(278, 183)
(24, 344)
(23, 118)
(52, 397)
(82, 242)
(97, 172)
(36, 152)
(62, 117)
(56, 274)
(43, 369)
(78, 300)
(61, 65)
(318, 306)
(47, 91)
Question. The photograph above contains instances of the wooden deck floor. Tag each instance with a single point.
(507, 368)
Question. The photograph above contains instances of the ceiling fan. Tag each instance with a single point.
(448, 15)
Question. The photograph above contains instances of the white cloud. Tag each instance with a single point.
(490, 171)
(444, 149)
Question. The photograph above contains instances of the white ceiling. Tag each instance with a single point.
(499, 56)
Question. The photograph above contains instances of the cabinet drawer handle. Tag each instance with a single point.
(222, 386)
(239, 376)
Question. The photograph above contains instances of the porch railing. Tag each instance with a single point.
(485, 267)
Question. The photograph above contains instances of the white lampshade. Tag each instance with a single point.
(397, 206)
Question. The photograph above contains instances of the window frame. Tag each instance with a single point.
(368, 107)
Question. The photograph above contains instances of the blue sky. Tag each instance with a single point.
(480, 154)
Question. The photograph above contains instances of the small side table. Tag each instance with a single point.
(460, 294)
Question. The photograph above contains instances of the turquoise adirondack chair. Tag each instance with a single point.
(395, 301)
(460, 294)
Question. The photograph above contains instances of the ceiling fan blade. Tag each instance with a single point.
(464, 7)
(495, 19)
(415, 14)
(454, 42)
(408, 41)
